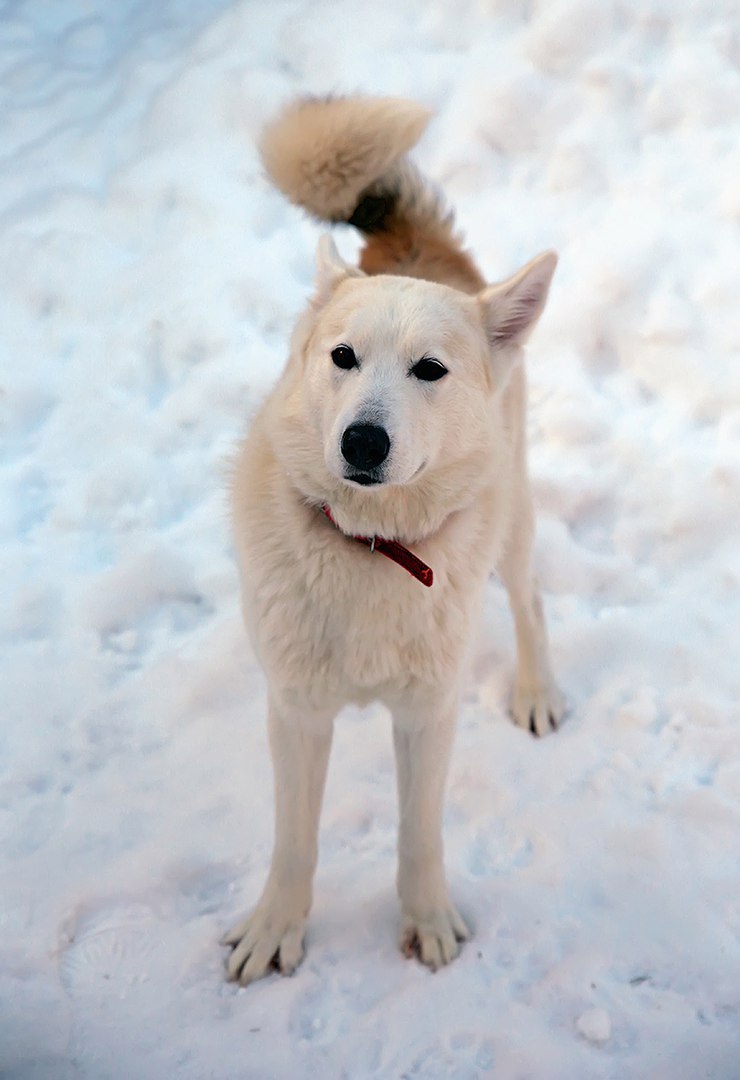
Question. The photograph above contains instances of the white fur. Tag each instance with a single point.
(333, 622)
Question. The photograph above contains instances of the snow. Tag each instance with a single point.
(149, 279)
(595, 1025)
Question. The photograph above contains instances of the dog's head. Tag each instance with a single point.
(395, 377)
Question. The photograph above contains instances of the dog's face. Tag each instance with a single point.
(397, 378)
(398, 374)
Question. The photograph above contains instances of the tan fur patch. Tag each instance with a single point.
(420, 251)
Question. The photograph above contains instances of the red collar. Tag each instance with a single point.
(392, 550)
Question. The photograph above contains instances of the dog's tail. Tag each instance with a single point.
(344, 160)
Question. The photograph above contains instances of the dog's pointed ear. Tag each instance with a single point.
(330, 269)
(511, 309)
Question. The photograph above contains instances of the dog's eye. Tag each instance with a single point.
(344, 357)
(429, 370)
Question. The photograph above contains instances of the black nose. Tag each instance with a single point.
(365, 446)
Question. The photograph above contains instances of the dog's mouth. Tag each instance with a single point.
(376, 478)
(364, 479)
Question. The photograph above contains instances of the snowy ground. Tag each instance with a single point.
(149, 279)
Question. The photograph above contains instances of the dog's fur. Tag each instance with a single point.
(332, 621)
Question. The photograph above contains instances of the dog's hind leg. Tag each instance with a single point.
(537, 703)
(431, 927)
(272, 936)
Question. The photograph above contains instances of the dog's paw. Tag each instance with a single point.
(539, 709)
(270, 939)
(434, 938)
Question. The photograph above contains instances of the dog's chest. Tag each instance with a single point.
(331, 617)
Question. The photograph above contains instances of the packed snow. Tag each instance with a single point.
(149, 281)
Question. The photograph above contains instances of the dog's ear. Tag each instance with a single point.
(330, 270)
(511, 308)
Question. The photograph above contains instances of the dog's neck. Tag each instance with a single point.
(392, 550)
(408, 515)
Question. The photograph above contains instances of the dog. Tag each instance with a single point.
(381, 482)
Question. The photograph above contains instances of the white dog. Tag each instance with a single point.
(382, 480)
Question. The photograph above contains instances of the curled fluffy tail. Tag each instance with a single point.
(344, 160)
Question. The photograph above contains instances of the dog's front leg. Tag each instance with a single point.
(430, 925)
(272, 936)
(538, 703)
